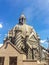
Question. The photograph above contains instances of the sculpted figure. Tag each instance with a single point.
(23, 31)
(24, 36)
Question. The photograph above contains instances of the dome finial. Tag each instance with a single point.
(22, 19)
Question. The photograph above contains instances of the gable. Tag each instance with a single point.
(9, 49)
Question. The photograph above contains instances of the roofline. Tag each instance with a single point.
(16, 48)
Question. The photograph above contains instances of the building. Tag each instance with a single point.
(22, 46)
(47, 55)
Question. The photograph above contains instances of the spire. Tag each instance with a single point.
(22, 19)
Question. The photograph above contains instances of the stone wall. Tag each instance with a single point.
(29, 62)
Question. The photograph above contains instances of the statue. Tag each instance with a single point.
(25, 37)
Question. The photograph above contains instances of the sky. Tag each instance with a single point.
(36, 12)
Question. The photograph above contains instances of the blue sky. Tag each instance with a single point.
(36, 12)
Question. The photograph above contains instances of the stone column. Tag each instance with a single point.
(6, 61)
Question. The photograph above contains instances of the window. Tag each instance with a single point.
(13, 61)
(1, 60)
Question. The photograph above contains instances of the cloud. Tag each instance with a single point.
(1, 45)
(42, 41)
(1, 26)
